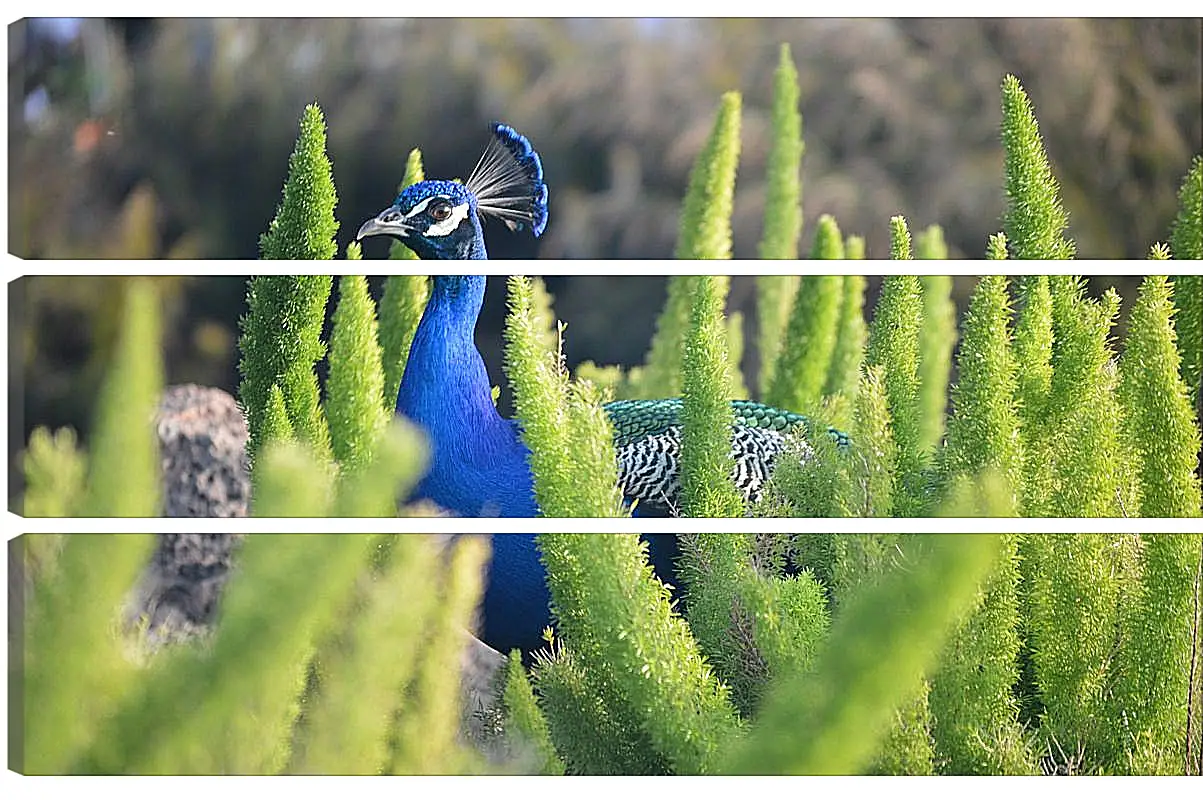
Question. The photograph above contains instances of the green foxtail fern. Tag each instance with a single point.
(276, 427)
(900, 239)
(1083, 416)
(76, 672)
(996, 247)
(280, 344)
(268, 623)
(1158, 653)
(527, 737)
(849, 350)
(783, 194)
(984, 430)
(936, 339)
(356, 380)
(1186, 235)
(55, 470)
(882, 641)
(425, 740)
(401, 308)
(572, 458)
(636, 652)
(782, 214)
(1161, 426)
(707, 420)
(894, 346)
(810, 340)
(123, 464)
(705, 230)
(360, 668)
(1035, 221)
(304, 226)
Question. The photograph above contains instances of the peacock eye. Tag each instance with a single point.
(440, 211)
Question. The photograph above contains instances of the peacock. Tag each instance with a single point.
(479, 463)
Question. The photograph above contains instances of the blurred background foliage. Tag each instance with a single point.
(142, 138)
(160, 138)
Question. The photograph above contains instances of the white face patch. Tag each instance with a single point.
(458, 213)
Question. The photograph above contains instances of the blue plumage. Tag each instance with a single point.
(479, 464)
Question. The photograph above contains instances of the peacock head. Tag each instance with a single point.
(441, 219)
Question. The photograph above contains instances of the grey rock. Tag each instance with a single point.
(202, 441)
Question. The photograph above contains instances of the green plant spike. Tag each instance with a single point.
(365, 666)
(280, 343)
(1188, 325)
(854, 248)
(783, 196)
(573, 460)
(900, 239)
(907, 748)
(876, 448)
(974, 713)
(882, 641)
(937, 336)
(276, 427)
(930, 243)
(810, 338)
(123, 466)
(984, 429)
(1159, 252)
(399, 459)
(544, 316)
(1033, 349)
(54, 469)
(705, 229)
(1073, 587)
(230, 707)
(356, 380)
(894, 346)
(1158, 653)
(1084, 418)
(849, 351)
(661, 373)
(527, 738)
(414, 173)
(975, 727)
(401, 308)
(1186, 235)
(353, 252)
(712, 567)
(291, 483)
(610, 608)
(587, 734)
(304, 226)
(734, 330)
(1161, 426)
(76, 666)
(707, 420)
(425, 743)
(996, 247)
(1035, 220)
(774, 299)
(828, 243)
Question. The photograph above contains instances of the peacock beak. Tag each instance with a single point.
(389, 222)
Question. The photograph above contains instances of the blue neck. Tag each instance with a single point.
(479, 466)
